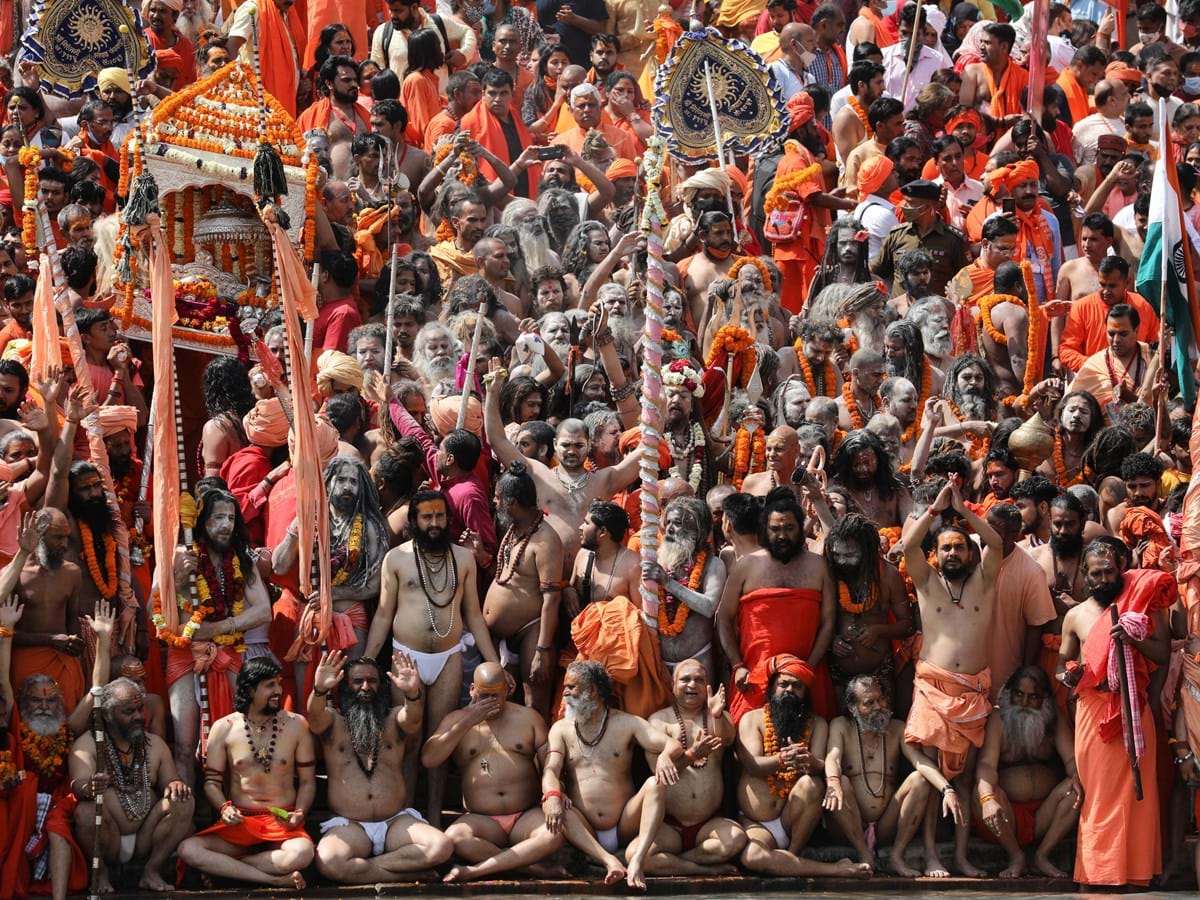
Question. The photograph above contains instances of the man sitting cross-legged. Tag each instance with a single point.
(781, 747)
(260, 837)
(1021, 797)
(145, 816)
(498, 747)
(694, 839)
(371, 837)
(593, 748)
(864, 797)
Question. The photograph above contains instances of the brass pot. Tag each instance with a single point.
(1032, 443)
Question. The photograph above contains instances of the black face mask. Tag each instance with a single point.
(1159, 90)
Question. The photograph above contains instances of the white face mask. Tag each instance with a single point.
(1192, 85)
(1147, 37)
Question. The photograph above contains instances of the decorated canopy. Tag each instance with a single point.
(70, 42)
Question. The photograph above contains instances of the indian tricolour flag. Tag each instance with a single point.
(1164, 275)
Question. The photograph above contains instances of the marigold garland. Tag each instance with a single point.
(749, 454)
(735, 341)
(46, 755)
(847, 602)
(891, 534)
(856, 418)
(779, 783)
(104, 586)
(979, 444)
(854, 104)
(31, 160)
(346, 561)
(913, 431)
(468, 173)
(10, 775)
(851, 338)
(830, 375)
(1060, 466)
(742, 261)
(790, 183)
(673, 613)
(1033, 338)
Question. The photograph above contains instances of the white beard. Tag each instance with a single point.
(43, 724)
(189, 25)
(937, 346)
(535, 249)
(578, 709)
(437, 370)
(673, 554)
(1025, 730)
(870, 333)
(974, 406)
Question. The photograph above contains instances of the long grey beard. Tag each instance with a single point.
(47, 560)
(974, 406)
(872, 723)
(437, 370)
(937, 346)
(870, 333)
(1025, 730)
(189, 24)
(364, 722)
(535, 249)
(43, 724)
(580, 709)
(675, 553)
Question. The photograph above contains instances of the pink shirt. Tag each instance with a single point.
(1022, 600)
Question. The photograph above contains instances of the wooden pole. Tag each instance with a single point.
(469, 383)
(914, 41)
(98, 735)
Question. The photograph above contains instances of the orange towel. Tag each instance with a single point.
(1119, 840)
(883, 37)
(64, 669)
(612, 632)
(1077, 97)
(949, 711)
(487, 130)
(419, 95)
(1006, 96)
(1142, 525)
(204, 657)
(256, 827)
(773, 621)
(279, 75)
(319, 114)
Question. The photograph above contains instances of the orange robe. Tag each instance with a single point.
(883, 37)
(773, 621)
(1006, 96)
(439, 126)
(613, 632)
(622, 146)
(214, 660)
(66, 670)
(1077, 97)
(798, 260)
(320, 113)
(1119, 840)
(278, 65)
(1084, 332)
(950, 712)
(419, 95)
(341, 12)
(488, 131)
(974, 163)
(981, 279)
(186, 51)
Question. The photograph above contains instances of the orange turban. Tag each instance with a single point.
(266, 425)
(621, 168)
(444, 412)
(799, 109)
(327, 441)
(738, 177)
(168, 61)
(1118, 70)
(336, 367)
(872, 174)
(967, 117)
(786, 663)
(1010, 176)
(117, 418)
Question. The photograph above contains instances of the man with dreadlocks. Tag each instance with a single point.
(812, 357)
(148, 809)
(863, 314)
(228, 397)
(862, 466)
(904, 355)
(873, 608)
(690, 579)
(358, 539)
(914, 272)
(1003, 338)
(371, 837)
(971, 398)
(846, 258)
(522, 603)
(234, 632)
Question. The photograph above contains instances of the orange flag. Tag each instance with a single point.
(300, 300)
(47, 351)
(166, 449)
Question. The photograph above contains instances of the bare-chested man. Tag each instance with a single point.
(863, 467)
(781, 747)
(590, 761)
(499, 748)
(694, 839)
(144, 819)
(1079, 418)
(779, 599)
(604, 567)
(860, 400)
(1023, 796)
(566, 491)
(521, 607)
(372, 837)
(865, 749)
(712, 260)
(873, 608)
(691, 577)
(429, 598)
(1079, 277)
(47, 638)
(782, 453)
(950, 699)
(268, 754)
(340, 116)
(1003, 337)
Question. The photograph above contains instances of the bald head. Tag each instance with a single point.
(671, 488)
(572, 76)
(488, 676)
(791, 32)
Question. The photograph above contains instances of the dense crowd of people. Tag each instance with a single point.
(924, 554)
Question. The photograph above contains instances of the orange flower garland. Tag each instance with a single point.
(672, 627)
(1060, 466)
(749, 454)
(735, 341)
(856, 419)
(854, 104)
(46, 754)
(106, 588)
(31, 161)
(847, 602)
(776, 197)
(913, 431)
(985, 315)
(891, 534)
(830, 378)
(742, 261)
(779, 783)
(979, 445)
(1033, 338)
(852, 338)
(10, 775)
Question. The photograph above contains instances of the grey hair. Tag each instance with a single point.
(72, 211)
(428, 330)
(920, 312)
(595, 676)
(696, 510)
(12, 437)
(109, 692)
(862, 681)
(594, 421)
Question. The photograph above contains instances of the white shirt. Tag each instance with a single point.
(878, 217)
(895, 60)
(1124, 220)
(461, 37)
(1062, 51)
(1087, 132)
(959, 200)
(790, 82)
(840, 99)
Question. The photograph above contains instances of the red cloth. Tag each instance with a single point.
(65, 670)
(772, 621)
(216, 661)
(334, 323)
(256, 827)
(58, 822)
(1146, 591)
(1024, 824)
(243, 472)
(186, 51)
(487, 130)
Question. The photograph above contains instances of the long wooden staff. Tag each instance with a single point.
(1126, 708)
(914, 41)
(98, 735)
(469, 383)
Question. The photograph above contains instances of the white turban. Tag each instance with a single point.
(706, 179)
